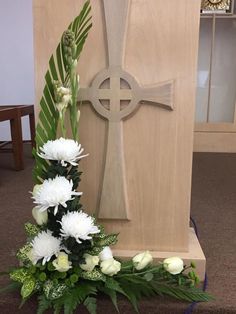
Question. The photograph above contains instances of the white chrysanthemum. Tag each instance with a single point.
(44, 246)
(63, 150)
(54, 192)
(78, 225)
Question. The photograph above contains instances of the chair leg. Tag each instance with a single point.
(17, 143)
(32, 129)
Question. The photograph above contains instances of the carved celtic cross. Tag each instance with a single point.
(114, 179)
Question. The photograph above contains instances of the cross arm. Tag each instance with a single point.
(158, 94)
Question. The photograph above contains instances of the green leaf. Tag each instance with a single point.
(27, 287)
(70, 304)
(48, 115)
(60, 63)
(11, 287)
(107, 240)
(53, 68)
(93, 275)
(19, 274)
(114, 285)
(91, 304)
(112, 294)
(182, 293)
(43, 304)
(148, 276)
(53, 290)
(31, 229)
(77, 296)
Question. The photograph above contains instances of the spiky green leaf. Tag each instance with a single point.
(48, 116)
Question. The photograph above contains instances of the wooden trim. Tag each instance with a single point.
(217, 142)
(223, 127)
(211, 63)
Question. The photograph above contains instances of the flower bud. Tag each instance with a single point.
(78, 115)
(66, 99)
(90, 262)
(105, 254)
(61, 263)
(74, 64)
(110, 267)
(64, 90)
(141, 260)
(40, 217)
(174, 265)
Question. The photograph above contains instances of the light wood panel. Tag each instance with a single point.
(215, 142)
(161, 45)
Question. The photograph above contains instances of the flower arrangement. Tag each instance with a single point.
(67, 257)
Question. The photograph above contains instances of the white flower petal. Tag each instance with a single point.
(54, 192)
(44, 246)
(63, 150)
(78, 225)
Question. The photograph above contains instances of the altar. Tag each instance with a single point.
(136, 100)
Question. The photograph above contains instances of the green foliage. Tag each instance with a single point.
(31, 229)
(59, 70)
(11, 287)
(112, 294)
(74, 297)
(19, 274)
(53, 290)
(107, 240)
(27, 287)
(43, 304)
(91, 305)
(23, 252)
(94, 275)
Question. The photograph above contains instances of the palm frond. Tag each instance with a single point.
(48, 116)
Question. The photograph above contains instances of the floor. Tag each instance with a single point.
(213, 207)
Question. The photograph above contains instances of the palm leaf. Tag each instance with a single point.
(48, 116)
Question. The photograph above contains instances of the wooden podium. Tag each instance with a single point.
(137, 96)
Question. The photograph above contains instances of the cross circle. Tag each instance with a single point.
(114, 94)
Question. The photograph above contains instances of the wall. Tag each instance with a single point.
(16, 58)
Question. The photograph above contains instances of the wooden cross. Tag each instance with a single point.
(114, 202)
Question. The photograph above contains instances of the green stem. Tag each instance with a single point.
(150, 270)
(62, 125)
(73, 108)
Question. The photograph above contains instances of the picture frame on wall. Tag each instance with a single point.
(217, 6)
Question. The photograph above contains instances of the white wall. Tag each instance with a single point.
(16, 58)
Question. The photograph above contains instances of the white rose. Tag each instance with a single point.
(40, 217)
(141, 260)
(105, 254)
(90, 262)
(61, 263)
(36, 189)
(110, 267)
(174, 265)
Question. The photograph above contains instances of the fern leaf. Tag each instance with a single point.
(43, 304)
(112, 294)
(91, 304)
(182, 293)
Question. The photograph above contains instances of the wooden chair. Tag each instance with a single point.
(14, 114)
